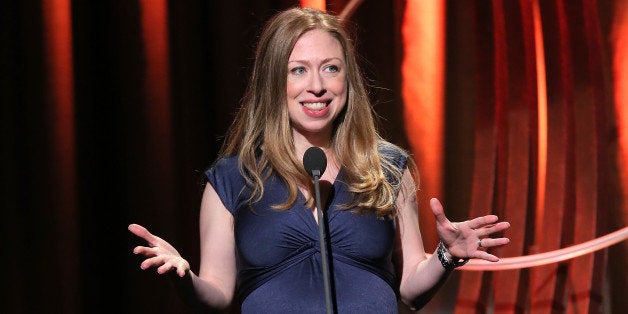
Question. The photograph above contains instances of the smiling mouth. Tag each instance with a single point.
(314, 105)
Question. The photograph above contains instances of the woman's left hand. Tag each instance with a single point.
(466, 239)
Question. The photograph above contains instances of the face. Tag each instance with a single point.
(317, 84)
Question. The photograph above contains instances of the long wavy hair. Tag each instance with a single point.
(261, 134)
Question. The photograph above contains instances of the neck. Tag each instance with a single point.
(303, 142)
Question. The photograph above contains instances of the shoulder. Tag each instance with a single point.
(227, 161)
(225, 177)
(393, 154)
(395, 162)
(225, 164)
(225, 170)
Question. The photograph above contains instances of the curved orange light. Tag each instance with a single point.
(551, 257)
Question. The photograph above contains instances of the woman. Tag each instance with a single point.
(258, 228)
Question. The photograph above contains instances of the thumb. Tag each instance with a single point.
(143, 233)
(438, 211)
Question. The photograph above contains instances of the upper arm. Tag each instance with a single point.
(410, 250)
(218, 259)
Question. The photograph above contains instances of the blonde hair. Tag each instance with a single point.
(261, 135)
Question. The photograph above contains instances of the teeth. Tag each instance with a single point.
(315, 105)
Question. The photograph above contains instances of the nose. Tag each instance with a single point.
(317, 84)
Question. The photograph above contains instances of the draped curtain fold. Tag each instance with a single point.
(111, 111)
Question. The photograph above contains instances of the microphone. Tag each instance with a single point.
(315, 162)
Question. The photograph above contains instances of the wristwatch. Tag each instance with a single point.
(448, 263)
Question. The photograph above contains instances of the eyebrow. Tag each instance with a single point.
(323, 61)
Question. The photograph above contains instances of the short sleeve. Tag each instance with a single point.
(225, 178)
(394, 155)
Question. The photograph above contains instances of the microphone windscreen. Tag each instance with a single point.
(314, 159)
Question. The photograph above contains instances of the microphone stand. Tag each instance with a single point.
(323, 244)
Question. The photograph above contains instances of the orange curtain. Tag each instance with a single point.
(422, 72)
(62, 240)
(316, 4)
(619, 216)
(158, 149)
(538, 83)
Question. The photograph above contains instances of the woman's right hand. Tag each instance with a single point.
(158, 253)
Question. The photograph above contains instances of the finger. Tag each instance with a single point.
(498, 227)
(181, 268)
(490, 242)
(143, 233)
(438, 211)
(152, 262)
(166, 267)
(483, 221)
(146, 251)
(486, 256)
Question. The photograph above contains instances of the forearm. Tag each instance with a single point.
(203, 295)
(422, 281)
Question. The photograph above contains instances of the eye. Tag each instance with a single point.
(332, 68)
(297, 70)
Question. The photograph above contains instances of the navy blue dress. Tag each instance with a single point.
(278, 256)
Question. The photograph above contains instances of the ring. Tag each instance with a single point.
(480, 243)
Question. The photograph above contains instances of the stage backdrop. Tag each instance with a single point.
(112, 110)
